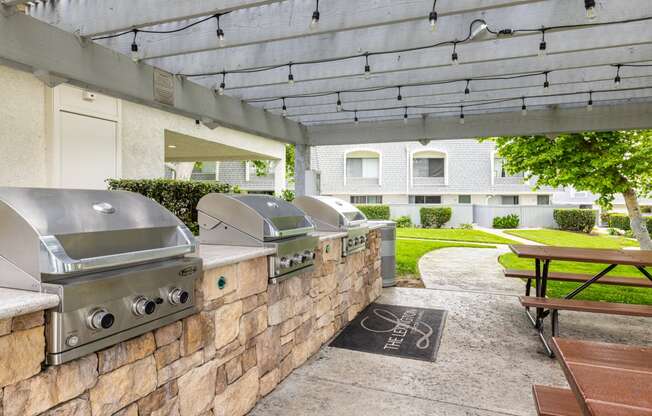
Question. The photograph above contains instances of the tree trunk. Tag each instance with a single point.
(637, 221)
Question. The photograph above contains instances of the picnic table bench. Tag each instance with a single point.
(543, 255)
(605, 380)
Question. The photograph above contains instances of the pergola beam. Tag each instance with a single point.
(288, 24)
(38, 47)
(98, 17)
(545, 121)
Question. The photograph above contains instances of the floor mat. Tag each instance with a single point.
(399, 331)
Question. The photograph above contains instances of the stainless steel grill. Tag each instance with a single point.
(260, 221)
(332, 214)
(117, 260)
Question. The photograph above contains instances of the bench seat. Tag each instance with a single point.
(581, 278)
(586, 306)
(555, 401)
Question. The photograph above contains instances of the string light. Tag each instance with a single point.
(399, 96)
(405, 116)
(543, 46)
(315, 16)
(338, 107)
(367, 67)
(467, 90)
(454, 56)
(355, 117)
(589, 105)
(546, 84)
(589, 5)
(461, 114)
(432, 17)
(523, 107)
(617, 79)
(220, 32)
(222, 86)
(284, 109)
(290, 75)
(134, 47)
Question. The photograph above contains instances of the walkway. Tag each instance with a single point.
(487, 362)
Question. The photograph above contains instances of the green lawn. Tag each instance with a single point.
(474, 236)
(408, 253)
(620, 294)
(569, 239)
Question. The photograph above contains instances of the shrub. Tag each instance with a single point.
(179, 197)
(508, 221)
(375, 212)
(466, 226)
(287, 194)
(435, 217)
(621, 221)
(575, 219)
(403, 222)
(613, 231)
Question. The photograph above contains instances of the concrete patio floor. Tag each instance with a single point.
(488, 360)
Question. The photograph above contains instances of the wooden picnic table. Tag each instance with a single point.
(607, 379)
(543, 255)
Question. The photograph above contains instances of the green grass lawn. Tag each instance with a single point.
(569, 239)
(474, 236)
(620, 294)
(408, 253)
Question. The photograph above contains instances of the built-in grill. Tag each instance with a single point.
(260, 221)
(117, 260)
(332, 214)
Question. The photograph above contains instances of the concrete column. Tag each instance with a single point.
(301, 165)
(279, 177)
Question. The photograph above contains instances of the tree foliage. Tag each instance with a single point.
(604, 163)
(262, 166)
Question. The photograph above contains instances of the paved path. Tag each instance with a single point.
(487, 362)
(503, 234)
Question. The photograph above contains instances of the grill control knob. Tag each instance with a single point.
(101, 319)
(178, 296)
(285, 262)
(351, 242)
(362, 239)
(298, 258)
(143, 306)
(308, 255)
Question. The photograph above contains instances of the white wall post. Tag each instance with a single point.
(301, 165)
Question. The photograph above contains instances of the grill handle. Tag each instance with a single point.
(60, 263)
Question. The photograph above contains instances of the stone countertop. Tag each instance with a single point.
(219, 255)
(20, 302)
(373, 225)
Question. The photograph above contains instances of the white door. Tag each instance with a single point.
(88, 151)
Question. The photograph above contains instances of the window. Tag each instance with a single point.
(586, 206)
(499, 166)
(425, 199)
(464, 199)
(358, 167)
(366, 199)
(543, 199)
(204, 171)
(509, 199)
(428, 167)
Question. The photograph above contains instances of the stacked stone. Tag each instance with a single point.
(247, 338)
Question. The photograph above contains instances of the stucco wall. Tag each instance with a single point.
(22, 129)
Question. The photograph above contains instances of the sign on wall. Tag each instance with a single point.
(163, 87)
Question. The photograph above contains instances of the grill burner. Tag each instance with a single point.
(332, 214)
(115, 259)
(260, 221)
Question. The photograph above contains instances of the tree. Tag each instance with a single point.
(604, 163)
(262, 166)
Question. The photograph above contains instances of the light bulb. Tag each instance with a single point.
(454, 58)
(221, 88)
(524, 110)
(291, 79)
(315, 20)
(432, 19)
(367, 72)
(543, 49)
(617, 80)
(589, 106)
(134, 52)
(462, 119)
(284, 112)
(220, 37)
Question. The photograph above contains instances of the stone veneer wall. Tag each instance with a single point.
(247, 338)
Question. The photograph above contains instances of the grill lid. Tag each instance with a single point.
(262, 217)
(60, 231)
(330, 213)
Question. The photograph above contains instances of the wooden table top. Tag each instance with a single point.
(607, 379)
(586, 255)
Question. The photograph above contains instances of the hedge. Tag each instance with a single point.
(575, 219)
(180, 197)
(621, 221)
(435, 217)
(375, 212)
(508, 221)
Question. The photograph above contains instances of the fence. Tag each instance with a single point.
(531, 216)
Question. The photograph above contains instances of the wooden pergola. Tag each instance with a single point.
(340, 71)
